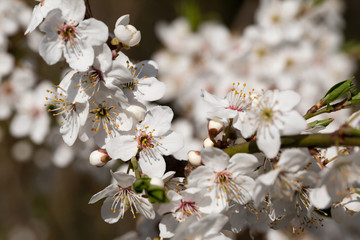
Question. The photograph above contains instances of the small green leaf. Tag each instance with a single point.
(323, 123)
(141, 184)
(355, 99)
(157, 194)
(338, 90)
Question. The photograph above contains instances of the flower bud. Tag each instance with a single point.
(137, 111)
(208, 142)
(194, 158)
(127, 34)
(99, 158)
(215, 126)
(155, 181)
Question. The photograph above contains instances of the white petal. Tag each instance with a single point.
(123, 20)
(152, 163)
(294, 123)
(96, 32)
(293, 160)
(268, 140)
(170, 143)
(106, 192)
(123, 147)
(319, 197)
(213, 100)
(167, 226)
(36, 19)
(158, 118)
(124, 180)
(79, 56)
(110, 216)
(243, 163)
(214, 158)
(287, 100)
(103, 58)
(150, 89)
(50, 49)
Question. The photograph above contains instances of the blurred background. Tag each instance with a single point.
(44, 186)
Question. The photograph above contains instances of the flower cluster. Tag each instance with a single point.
(255, 170)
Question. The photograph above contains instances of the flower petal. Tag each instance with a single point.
(123, 147)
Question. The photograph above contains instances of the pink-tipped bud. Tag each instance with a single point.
(99, 158)
(194, 158)
(155, 181)
(208, 143)
(215, 126)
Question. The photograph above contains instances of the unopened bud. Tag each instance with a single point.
(215, 126)
(137, 111)
(208, 143)
(194, 158)
(155, 181)
(99, 158)
(125, 33)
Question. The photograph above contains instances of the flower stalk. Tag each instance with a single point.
(306, 140)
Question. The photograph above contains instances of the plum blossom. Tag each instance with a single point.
(151, 139)
(32, 118)
(272, 116)
(120, 197)
(138, 80)
(98, 77)
(69, 35)
(105, 120)
(225, 178)
(337, 179)
(234, 105)
(190, 202)
(73, 113)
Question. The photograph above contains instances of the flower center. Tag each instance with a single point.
(67, 32)
(267, 114)
(105, 116)
(145, 141)
(125, 199)
(186, 209)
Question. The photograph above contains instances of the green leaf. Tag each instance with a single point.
(141, 184)
(323, 123)
(157, 195)
(338, 90)
(355, 99)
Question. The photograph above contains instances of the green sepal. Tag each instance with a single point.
(141, 184)
(157, 194)
(323, 123)
(115, 42)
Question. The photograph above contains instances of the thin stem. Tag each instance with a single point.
(88, 13)
(228, 130)
(332, 108)
(135, 166)
(306, 140)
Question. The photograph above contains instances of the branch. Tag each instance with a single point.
(88, 13)
(306, 140)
